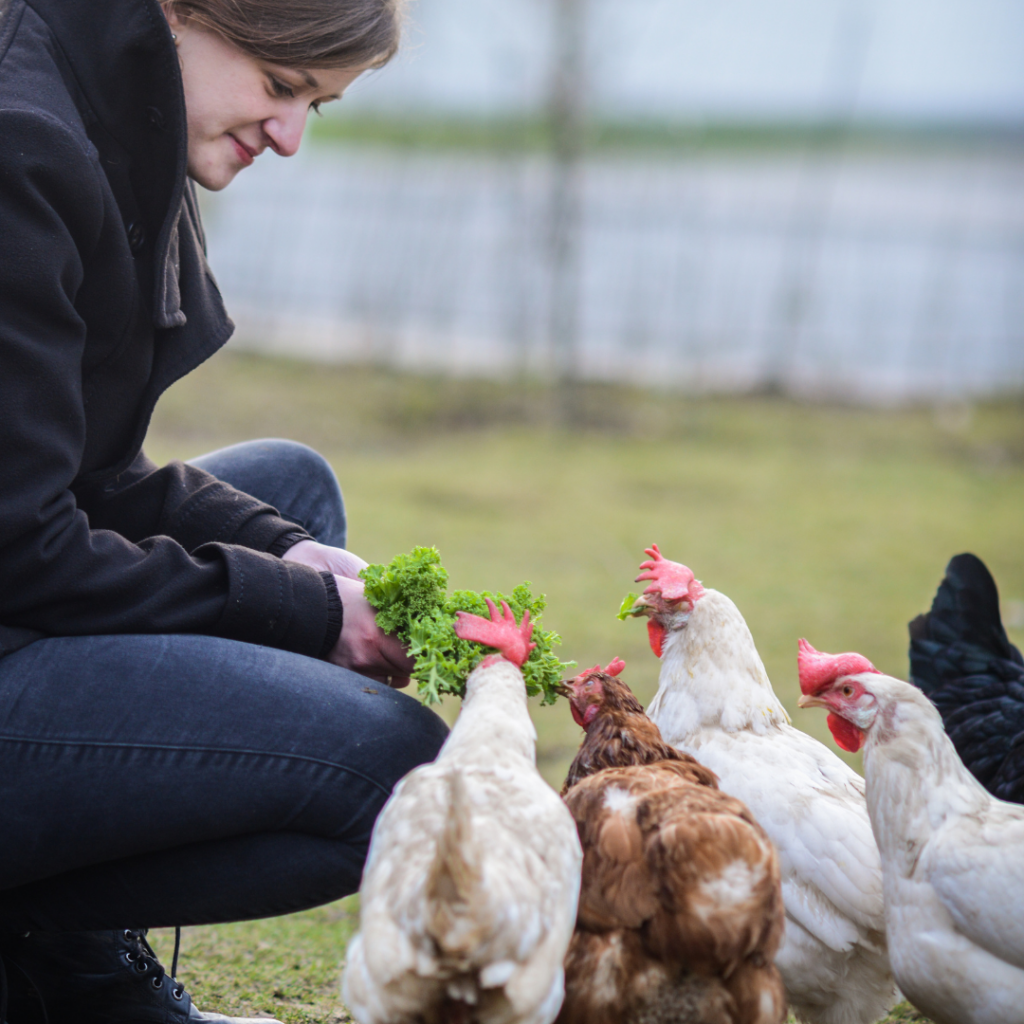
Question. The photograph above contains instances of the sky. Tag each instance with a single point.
(910, 60)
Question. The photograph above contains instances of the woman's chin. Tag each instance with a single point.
(213, 175)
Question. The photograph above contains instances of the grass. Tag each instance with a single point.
(285, 967)
(820, 521)
(533, 133)
(288, 967)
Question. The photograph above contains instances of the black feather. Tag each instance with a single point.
(962, 659)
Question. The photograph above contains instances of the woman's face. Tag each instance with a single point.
(238, 106)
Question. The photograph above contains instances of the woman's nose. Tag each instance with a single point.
(285, 130)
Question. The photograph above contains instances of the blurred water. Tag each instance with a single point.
(877, 277)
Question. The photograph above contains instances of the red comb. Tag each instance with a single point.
(613, 668)
(500, 632)
(672, 580)
(818, 670)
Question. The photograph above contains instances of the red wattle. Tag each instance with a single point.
(656, 635)
(846, 734)
(576, 716)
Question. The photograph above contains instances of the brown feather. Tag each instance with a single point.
(611, 979)
(680, 912)
(622, 735)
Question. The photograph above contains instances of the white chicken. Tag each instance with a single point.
(952, 854)
(715, 702)
(470, 889)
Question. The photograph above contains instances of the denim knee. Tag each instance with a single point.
(292, 477)
(420, 734)
(297, 457)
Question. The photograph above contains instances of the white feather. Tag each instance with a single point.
(953, 858)
(495, 936)
(715, 701)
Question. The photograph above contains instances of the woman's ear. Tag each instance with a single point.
(174, 17)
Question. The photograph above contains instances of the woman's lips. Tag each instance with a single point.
(245, 154)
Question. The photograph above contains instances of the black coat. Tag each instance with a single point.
(106, 300)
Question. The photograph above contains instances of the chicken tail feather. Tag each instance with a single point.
(455, 877)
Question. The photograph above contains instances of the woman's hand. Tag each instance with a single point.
(325, 559)
(363, 646)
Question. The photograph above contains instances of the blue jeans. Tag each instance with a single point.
(149, 781)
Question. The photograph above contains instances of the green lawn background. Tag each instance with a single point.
(824, 521)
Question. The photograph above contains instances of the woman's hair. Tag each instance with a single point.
(304, 33)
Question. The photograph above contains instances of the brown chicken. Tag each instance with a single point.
(680, 912)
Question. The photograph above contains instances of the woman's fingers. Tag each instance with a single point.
(363, 646)
(391, 649)
(343, 563)
(324, 558)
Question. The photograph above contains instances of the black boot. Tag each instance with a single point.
(109, 977)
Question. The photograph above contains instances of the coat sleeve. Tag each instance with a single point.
(186, 503)
(63, 574)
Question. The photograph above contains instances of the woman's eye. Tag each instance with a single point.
(281, 88)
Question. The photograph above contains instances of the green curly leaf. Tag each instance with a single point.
(626, 610)
(411, 601)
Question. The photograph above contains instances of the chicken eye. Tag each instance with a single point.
(847, 691)
(590, 683)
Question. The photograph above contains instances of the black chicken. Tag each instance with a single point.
(962, 659)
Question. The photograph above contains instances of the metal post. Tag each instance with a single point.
(567, 115)
(812, 208)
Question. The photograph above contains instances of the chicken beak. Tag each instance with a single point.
(808, 700)
(563, 690)
(641, 606)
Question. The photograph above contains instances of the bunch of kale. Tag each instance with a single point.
(410, 595)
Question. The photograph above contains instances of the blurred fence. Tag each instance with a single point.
(873, 275)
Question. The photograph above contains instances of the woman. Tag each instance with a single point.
(187, 730)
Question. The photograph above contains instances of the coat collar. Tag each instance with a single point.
(126, 67)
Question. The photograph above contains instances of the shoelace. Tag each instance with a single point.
(145, 960)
